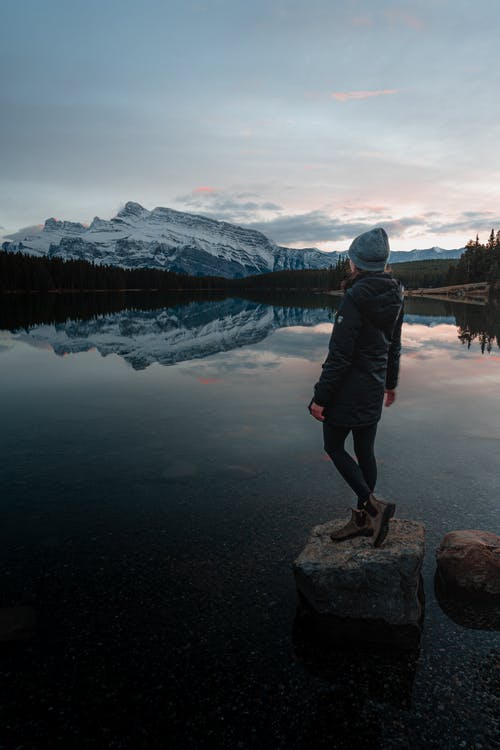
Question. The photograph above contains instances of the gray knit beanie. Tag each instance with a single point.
(370, 250)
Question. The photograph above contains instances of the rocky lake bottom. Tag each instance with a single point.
(161, 473)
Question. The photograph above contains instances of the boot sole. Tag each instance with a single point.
(384, 526)
(350, 536)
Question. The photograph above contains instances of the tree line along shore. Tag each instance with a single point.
(25, 273)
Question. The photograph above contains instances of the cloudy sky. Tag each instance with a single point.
(311, 120)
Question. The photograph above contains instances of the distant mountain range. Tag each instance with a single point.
(431, 253)
(181, 242)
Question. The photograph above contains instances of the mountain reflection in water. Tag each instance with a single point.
(173, 329)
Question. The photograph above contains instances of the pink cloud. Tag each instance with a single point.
(205, 189)
(344, 96)
(209, 381)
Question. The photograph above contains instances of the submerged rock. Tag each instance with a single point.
(355, 589)
(466, 609)
(470, 560)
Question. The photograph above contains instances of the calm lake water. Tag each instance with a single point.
(160, 473)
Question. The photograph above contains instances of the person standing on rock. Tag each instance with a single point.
(362, 365)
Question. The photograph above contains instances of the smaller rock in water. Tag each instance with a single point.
(356, 590)
(470, 560)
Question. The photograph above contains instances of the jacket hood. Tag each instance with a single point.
(380, 298)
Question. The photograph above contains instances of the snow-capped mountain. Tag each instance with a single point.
(431, 253)
(290, 259)
(167, 239)
(182, 242)
(404, 256)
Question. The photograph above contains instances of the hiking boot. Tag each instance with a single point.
(358, 525)
(379, 514)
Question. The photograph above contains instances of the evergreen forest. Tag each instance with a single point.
(479, 262)
(26, 273)
(20, 272)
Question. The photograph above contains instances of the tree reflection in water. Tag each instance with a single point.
(481, 323)
(475, 322)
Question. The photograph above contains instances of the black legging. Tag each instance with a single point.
(361, 476)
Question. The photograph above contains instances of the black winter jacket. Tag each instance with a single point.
(364, 351)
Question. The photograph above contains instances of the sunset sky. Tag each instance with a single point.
(309, 120)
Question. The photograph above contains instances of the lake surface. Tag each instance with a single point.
(160, 473)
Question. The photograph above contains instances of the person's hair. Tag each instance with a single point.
(353, 276)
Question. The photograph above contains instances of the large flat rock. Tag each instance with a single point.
(354, 581)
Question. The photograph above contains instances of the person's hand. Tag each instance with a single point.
(390, 396)
(317, 411)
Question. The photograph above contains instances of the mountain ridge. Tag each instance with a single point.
(165, 238)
